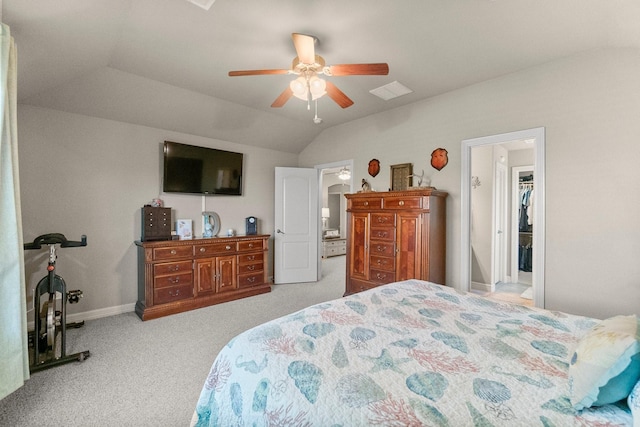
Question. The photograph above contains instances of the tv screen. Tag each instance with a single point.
(201, 170)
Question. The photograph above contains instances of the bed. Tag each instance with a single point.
(409, 353)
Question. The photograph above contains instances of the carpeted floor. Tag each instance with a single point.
(150, 373)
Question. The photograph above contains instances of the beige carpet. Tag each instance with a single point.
(150, 373)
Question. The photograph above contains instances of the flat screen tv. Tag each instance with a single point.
(201, 170)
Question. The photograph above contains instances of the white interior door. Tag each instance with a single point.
(296, 222)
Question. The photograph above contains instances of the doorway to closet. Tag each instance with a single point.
(491, 208)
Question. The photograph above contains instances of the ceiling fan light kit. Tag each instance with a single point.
(307, 65)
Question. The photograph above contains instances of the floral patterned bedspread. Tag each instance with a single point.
(410, 353)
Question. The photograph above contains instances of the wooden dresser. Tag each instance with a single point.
(180, 275)
(395, 235)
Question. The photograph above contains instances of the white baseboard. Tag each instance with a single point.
(94, 314)
(482, 287)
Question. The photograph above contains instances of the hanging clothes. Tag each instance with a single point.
(526, 206)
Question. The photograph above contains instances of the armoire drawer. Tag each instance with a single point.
(406, 203)
(383, 263)
(383, 233)
(365, 204)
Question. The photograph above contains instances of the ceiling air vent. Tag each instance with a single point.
(205, 4)
(391, 90)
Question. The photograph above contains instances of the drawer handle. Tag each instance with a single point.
(381, 276)
(174, 294)
(251, 258)
(173, 252)
(251, 267)
(174, 268)
(380, 262)
(251, 279)
(401, 203)
(382, 234)
(203, 249)
(381, 248)
(382, 219)
(250, 245)
(366, 203)
(176, 280)
(228, 247)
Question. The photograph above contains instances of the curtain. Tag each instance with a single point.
(14, 350)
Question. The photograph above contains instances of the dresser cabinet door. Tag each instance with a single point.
(409, 247)
(226, 270)
(359, 255)
(205, 276)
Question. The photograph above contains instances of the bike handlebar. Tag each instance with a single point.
(54, 239)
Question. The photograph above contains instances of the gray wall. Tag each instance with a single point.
(589, 105)
(84, 175)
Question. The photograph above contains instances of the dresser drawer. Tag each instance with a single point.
(406, 203)
(334, 243)
(382, 248)
(334, 251)
(383, 233)
(250, 268)
(250, 245)
(173, 280)
(246, 280)
(172, 268)
(380, 219)
(365, 204)
(249, 258)
(173, 293)
(172, 252)
(214, 249)
(383, 263)
(382, 277)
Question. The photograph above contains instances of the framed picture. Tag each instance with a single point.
(183, 229)
(401, 176)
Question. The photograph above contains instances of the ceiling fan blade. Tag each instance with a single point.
(338, 96)
(378, 69)
(282, 98)
(305, 49)
(256, 72)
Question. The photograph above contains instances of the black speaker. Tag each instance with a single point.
(251, 224)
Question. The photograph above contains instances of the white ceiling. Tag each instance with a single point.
(164, 63)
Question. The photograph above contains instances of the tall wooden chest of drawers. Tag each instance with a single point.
(180, 275)
(394, 236)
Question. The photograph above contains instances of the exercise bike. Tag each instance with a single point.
(49, 336)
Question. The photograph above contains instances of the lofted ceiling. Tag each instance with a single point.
(165, 63)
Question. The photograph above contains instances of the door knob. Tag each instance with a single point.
(279, 231)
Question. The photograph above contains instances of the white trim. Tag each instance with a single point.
(94, 314)
(538, 135)
(483, 287)
(319, 168)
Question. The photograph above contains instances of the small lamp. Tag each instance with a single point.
(325, 218)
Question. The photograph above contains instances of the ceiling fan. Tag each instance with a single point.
(307, 66)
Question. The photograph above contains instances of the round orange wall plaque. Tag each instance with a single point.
(374, 167)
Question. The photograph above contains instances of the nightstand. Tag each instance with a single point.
(333, 247)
